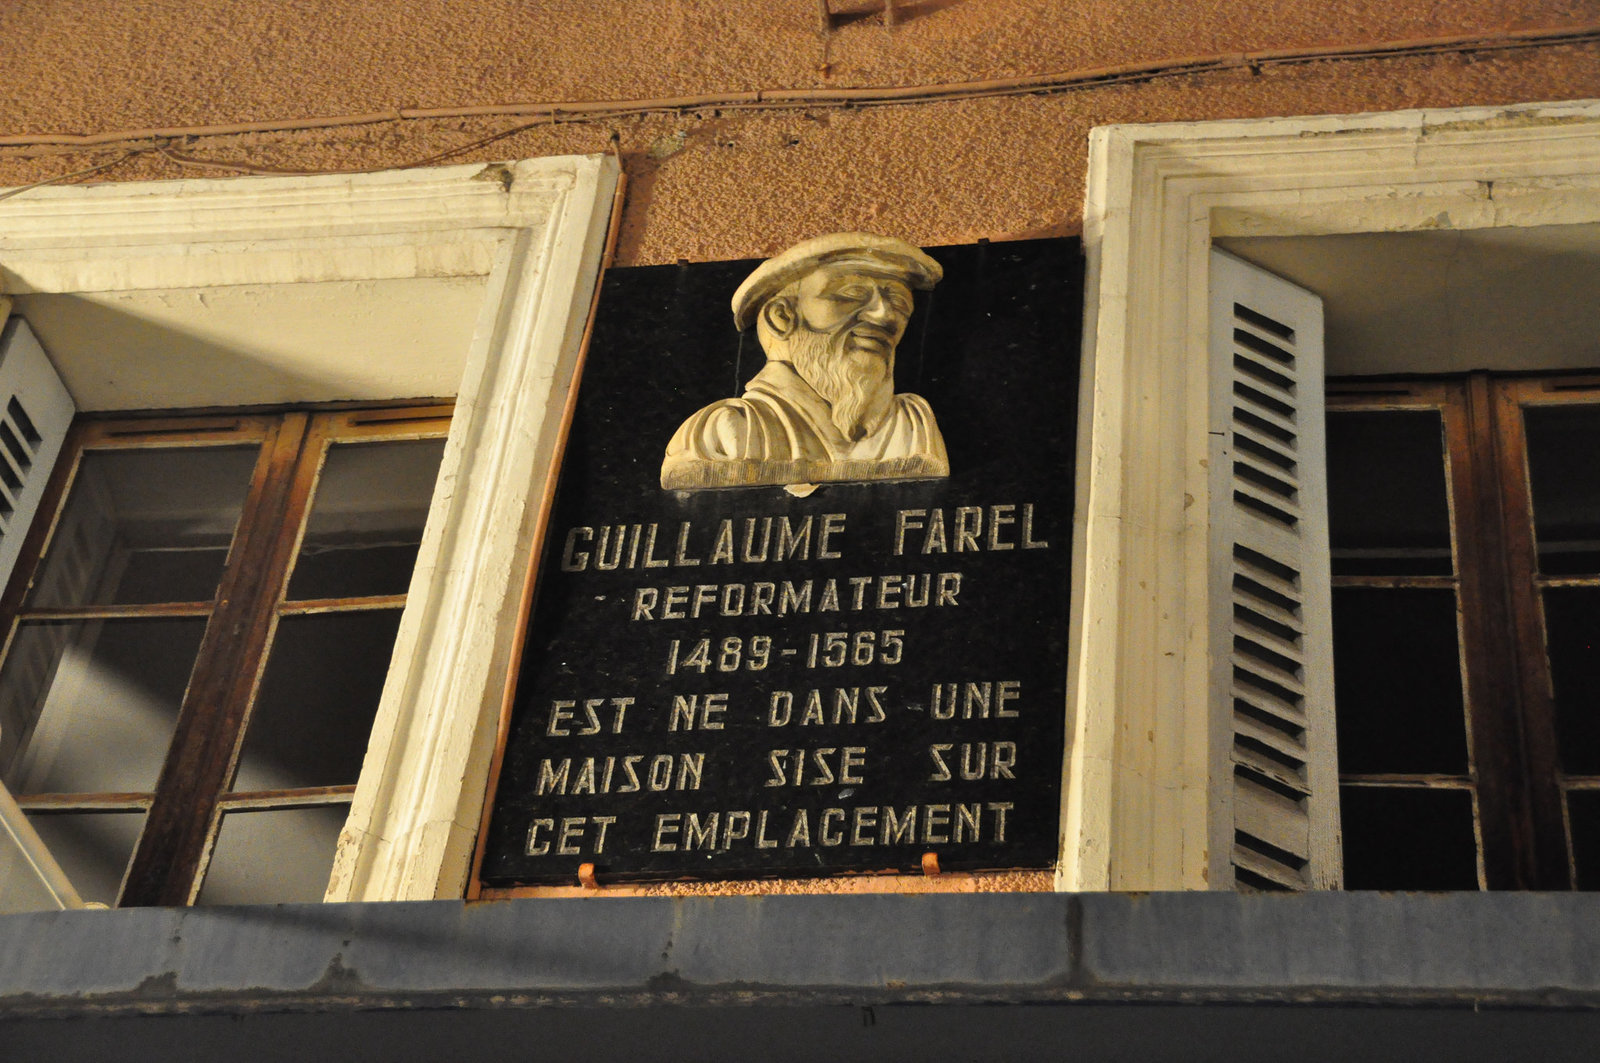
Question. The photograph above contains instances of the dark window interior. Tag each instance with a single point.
(1464, 518)
(199, 629)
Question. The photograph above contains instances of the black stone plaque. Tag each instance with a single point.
(745, 683)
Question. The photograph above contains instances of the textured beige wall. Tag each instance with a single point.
(708, 185)
(98, 64)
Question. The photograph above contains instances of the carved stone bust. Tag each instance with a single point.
(829, 313)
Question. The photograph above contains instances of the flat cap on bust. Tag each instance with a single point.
(865, 251)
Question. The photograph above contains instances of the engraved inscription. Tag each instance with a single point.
(838, 740)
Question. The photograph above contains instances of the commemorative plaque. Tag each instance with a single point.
(802, 605)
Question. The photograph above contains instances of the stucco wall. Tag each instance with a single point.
(737, 180)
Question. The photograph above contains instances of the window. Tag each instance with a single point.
(1465, 532)
(472, 280)
(1152, 801)
(198, 633)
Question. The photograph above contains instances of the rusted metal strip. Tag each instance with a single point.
(1566, 581)
(117, 612)
(101, 802)
(1391, 780)
(1425, 582)
(302, 797)
(435, 416)
(166, 431)
(341, 605)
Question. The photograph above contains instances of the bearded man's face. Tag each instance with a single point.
(848, 322)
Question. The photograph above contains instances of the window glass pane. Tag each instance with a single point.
(1563, 451)
(366, 520)
(1583, 812)
(89, 705)
(1407, 839)
(314, 713)
(1387, 513)
(93, 848)
(273, 857)
(1572, 630)
(1397, 681)
(148, 525)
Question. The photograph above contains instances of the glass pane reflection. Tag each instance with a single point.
(89, 706)
(1583, 815)
(1404, 839)
(1387, 512)
(1572, 632)
(1563, 448)
(147, 525)
(273, 857)
(366, 520)
(314, 713)
(1397, 681)
(93, 848)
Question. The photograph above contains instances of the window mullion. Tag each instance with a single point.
(173, 848)
(366, 476)
(1504, 816)
(1541, 768)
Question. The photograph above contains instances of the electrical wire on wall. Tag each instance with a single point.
(172, 143)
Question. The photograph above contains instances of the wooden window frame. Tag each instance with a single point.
(183, 813)
(1514, 769)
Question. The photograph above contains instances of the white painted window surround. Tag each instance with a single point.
(515, 248)
(1150, 744)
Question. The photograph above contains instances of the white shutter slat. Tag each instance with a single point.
(1266, 869)
(1269, 700)
(1271, 637)
(35, 412)
(1272, 817)
(1284, 737)
(1266, 767)
(1265, 448)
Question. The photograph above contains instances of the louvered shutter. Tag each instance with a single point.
(35, 413)
(1272, 659)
